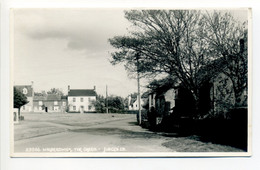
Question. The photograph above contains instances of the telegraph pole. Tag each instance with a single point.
(106, 101)
(138, 85)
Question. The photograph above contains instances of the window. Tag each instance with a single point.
(81, 99)
(89, 99)
(74, 107)
(89, 107)
(25, 91)
(40, 103)
(55, 102)
(74, 99)
(23, 107)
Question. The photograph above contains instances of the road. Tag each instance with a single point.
(119, 135)
(107, 133)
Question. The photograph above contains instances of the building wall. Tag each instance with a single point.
(169, 96)
(222, 94)
(75, 106)
(52, 107)
(64, 104)
(29, 106)
(37, 107)
(136, 105)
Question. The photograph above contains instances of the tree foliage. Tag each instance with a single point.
(115, 104)
(181, 43)
(165, 42)
(228, 38)
(100, 104)
(55, 91)
(19, 99)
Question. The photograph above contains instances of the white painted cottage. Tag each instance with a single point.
(81, 100)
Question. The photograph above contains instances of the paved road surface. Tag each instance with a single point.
(119, 135)
(100, 133)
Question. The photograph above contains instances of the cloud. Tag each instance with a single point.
(46, 34)
(83, 30)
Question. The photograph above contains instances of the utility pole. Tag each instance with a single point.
(106, 101)
(138, 85)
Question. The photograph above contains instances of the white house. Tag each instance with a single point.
(133, 103)
(81, 100)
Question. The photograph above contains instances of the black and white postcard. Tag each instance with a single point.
(115, 82)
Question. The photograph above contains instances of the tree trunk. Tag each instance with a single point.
(19, 113)
(196, 104)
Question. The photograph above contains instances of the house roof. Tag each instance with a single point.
(82, 92)
(39, 98)
(48, 97)
(53, 97)
(27, 90)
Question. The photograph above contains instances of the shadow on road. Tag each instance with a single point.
(123, 133)
(133, 123)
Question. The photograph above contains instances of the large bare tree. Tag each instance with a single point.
(227, 39)
(179, 43)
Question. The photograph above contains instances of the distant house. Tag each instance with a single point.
(48, 103)
(27, 90)
(53, 103)
(133, 103)
(81, 100)
(216, 95)
(38, 103)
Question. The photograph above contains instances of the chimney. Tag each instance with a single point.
(68, 89)
(94, 88)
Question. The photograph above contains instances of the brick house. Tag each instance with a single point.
(38, 102)
(81, 100)
(48, 103)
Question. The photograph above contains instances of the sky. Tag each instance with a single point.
(55, 48)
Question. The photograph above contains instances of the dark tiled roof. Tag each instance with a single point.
(53, 97)
(39, 98)
(82, 92)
